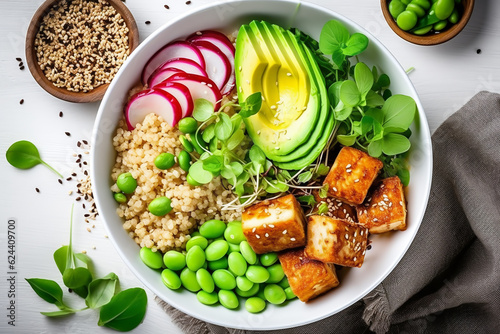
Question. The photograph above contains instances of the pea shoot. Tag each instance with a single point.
(24, 155)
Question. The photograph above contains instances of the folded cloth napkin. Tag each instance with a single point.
(449, 280)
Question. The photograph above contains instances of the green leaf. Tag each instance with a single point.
(332, 36)
(60, 256)
(338, 58)
(382, 82)
(46, 289)
(394, 143)
(235, 140)
(213, 164)
(347, 140)
(276, 186)
(24, 155)
(251, 105)
(356, 44)
(77, 277)
(60, 313)
(376, 114)
(203, 110)
(307, 199)
(364, 78)
(374, 100)
(200, 174)
(101, 291)
(236, 167)
(334, 93)
(404, 176)
(323, 192)
(323, 170)
(257, 155)
(125, 311)
(375, 148)
(323, 208)
(236, 119)
(349, 93)
(224, 127)
(304, 177)
(208, 133)
(366, 124)
(399, 112)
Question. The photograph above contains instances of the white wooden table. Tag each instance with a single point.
(445, 76)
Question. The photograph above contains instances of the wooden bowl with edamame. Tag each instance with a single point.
(427, 22)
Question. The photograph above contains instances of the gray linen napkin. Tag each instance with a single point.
(449, 280)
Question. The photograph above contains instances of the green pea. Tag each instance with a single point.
(274, 294)
(255, 304)
(444, 8)
(212, 229)
(205, 280)
(174, 260)
(126, 183)
(248, 253)
(396, 7)
(268, 259)
(221, 263)
(170, 279)
(233, 248)
(216, 250)
(276, 273)
(284, 283)
(234, 233)
(228, 299)
(289, 293)
(207, 298)
(251, 292)
(243, 283)
(197, 240)
(187, 125)
(423, 31)
(454, 17)
(191, 181)
(407, 20)
(416, 9)
(160, 206)
(184, 160)
(257, 274)
(120, 197)
(189, 281)
(223, 279)
(195, 258)
(237, 263)
(440, 25)
(164, 161)
(198, 143)
(188, 146)
(151, 259)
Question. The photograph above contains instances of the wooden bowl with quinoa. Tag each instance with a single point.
(74, 48)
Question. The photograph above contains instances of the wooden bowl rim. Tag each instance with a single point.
(429, 39)
(95, 94)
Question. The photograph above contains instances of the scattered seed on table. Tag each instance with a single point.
(19, 59)
(21, 64)
(166, 7)
(21, 68)
(85, 142)
(60, 181)
(69, 178)
(67, 133)
(148, 22)
(37, 190)
(188, 2)
(21, 102)
(478, 51)
(60, 114)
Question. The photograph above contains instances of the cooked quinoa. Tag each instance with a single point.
(136, 151)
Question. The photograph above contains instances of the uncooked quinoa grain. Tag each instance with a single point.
(81, 44)
(136, 151)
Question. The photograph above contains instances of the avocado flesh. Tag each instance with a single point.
(289, 110)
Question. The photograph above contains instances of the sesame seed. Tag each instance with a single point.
(271, 225)
(348, 170)
(21, 102)
(253, 230)
(257, 236)
(355, 259)
(375, 219)
(292, 239)
(267, 235)
(347, 236)
(361, 233)
(240, 68)
(284, 231)
(348, 166)
(334, 189)
(60, 114)
(37, 190)
(289, 74)
(401, 203)
(166, 7)
(357, 180)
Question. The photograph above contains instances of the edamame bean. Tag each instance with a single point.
(257, 274)
(237, 263)
(223, 279)
(423, 31)
(405, 2)
(268, 259)
(284, 283)
(198, 143)
(152, 259)
(255, 305)
(218, 264)
(407, 20)
(170, 279)
(212, 229)
(216, 250)
(228, 299)
(197, 240)
(164, 161)
(233, 248)
(396, 7)
(120, 197)
(188, 146)
(276, 273)
(251, 292)
(425, 4)
(416, 9)
(188, 279)
(187, 125)
(126, 183)
(160, 206)
(440, 25)
(274, 294)
(205, 280)
(207, 298)
(191, 181)
(174, 260)
(248, 253)
(289, 293)
(454, 17)
(444, 8)
(184, 160)
(234, 233)
(243, 283)
(195, 258)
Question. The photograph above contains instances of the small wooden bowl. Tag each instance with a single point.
(431, 39)
(95, 94)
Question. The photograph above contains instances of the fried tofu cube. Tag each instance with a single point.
(336, 241)
(351, 175)
(336, 208)
(308, 278)
(385, 207)
(274, 225)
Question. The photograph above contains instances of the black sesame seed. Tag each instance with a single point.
(69, 179)
(73, 174)
(369, 247)
(78, 199)
(70, 291)
(21, 64)
(85, 162)
(78, 144)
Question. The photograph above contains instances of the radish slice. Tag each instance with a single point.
(199, 87)
(178, 49)
(225, 46)
(152, 101)
(217, 65)
(160, 76)
(182, 95)
(186, 65)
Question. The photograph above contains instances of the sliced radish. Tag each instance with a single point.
(177, 49)
(182, 95)
(186, 65)
(199, 87)
(217, 65)
(150, 101)
(225, 46)
(162, 75)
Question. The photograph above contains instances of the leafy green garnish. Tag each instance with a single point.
(24, 155)
(125, 311)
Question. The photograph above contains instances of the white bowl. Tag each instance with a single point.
(388, 249)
